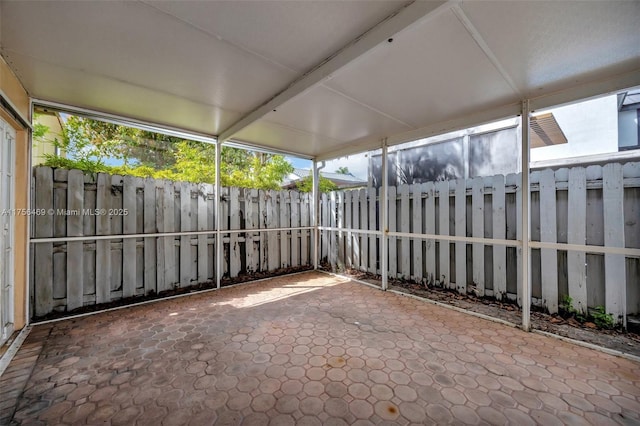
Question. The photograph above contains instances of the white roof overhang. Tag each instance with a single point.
(319, 78)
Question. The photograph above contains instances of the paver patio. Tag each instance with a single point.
(308, 349)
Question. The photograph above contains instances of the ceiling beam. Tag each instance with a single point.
(390, 26)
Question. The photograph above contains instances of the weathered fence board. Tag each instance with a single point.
(576, 234)
(393, 246)
(305, 220)
(129, 255)
(614, 264)
(43, 253)
(348, 207)
(75, 192)
(548, 234)
(477, 215)
(364, 224)
(355, 224)
(416, 228)
(443, 229)
(404, 254)
(103, 247)
(429, 218)
(498, 212)
(373, 213)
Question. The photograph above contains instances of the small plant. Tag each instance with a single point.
(567, 305)
(602, 319)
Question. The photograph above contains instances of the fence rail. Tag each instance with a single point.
(595, 205)
(107, 255)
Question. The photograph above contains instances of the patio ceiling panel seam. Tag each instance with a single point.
(482, 44)
(393, 24)
(369, 107)
(219, 38)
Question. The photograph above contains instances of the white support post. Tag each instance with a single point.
(314, 213)
(525, 219)
(216, 211)
(384, 242)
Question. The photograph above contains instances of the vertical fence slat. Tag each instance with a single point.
(169, 242)
(340, 224)
(416, 200)
(364, 245)
(129, 256)
(405, 226)
(498, 204)
(285, 218)
(103, 247)
(373, 254)
(332, 234)
(43, 277)
(234, 244)
(477, 216)
(614, 264)
(251, 220)
(75, 195)
(324, 235)
(185, 240)
(519, 251)
(305, 220)
(272, 222)
(355, 223)
(161, 279)
(348, 207)
(393, 244)
(577, 234)
(149, 228)
(443, 210)
(263, 205)
(295, 222)
(461, 231)
(548, 234)
(429, 218)
(203, 250)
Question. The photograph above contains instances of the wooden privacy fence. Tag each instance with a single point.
(70, 274)
(595, 205)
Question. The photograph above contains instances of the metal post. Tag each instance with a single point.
(384, 252)
(314, 213)
(526, 222)
(216, 209)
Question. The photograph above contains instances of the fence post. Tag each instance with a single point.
(525, 219)
(384, 226)
(461, 231)
(217, 216)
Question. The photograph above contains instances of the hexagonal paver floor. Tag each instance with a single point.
(308, 349)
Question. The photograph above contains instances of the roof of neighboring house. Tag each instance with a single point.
(343, 180)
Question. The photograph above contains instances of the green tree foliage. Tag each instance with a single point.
(91, 145)
(343, 170)
(324, 185)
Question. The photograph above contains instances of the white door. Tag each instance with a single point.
(7, 165)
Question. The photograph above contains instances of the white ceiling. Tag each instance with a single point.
(203, 66)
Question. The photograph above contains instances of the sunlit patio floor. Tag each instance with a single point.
(308, 349)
